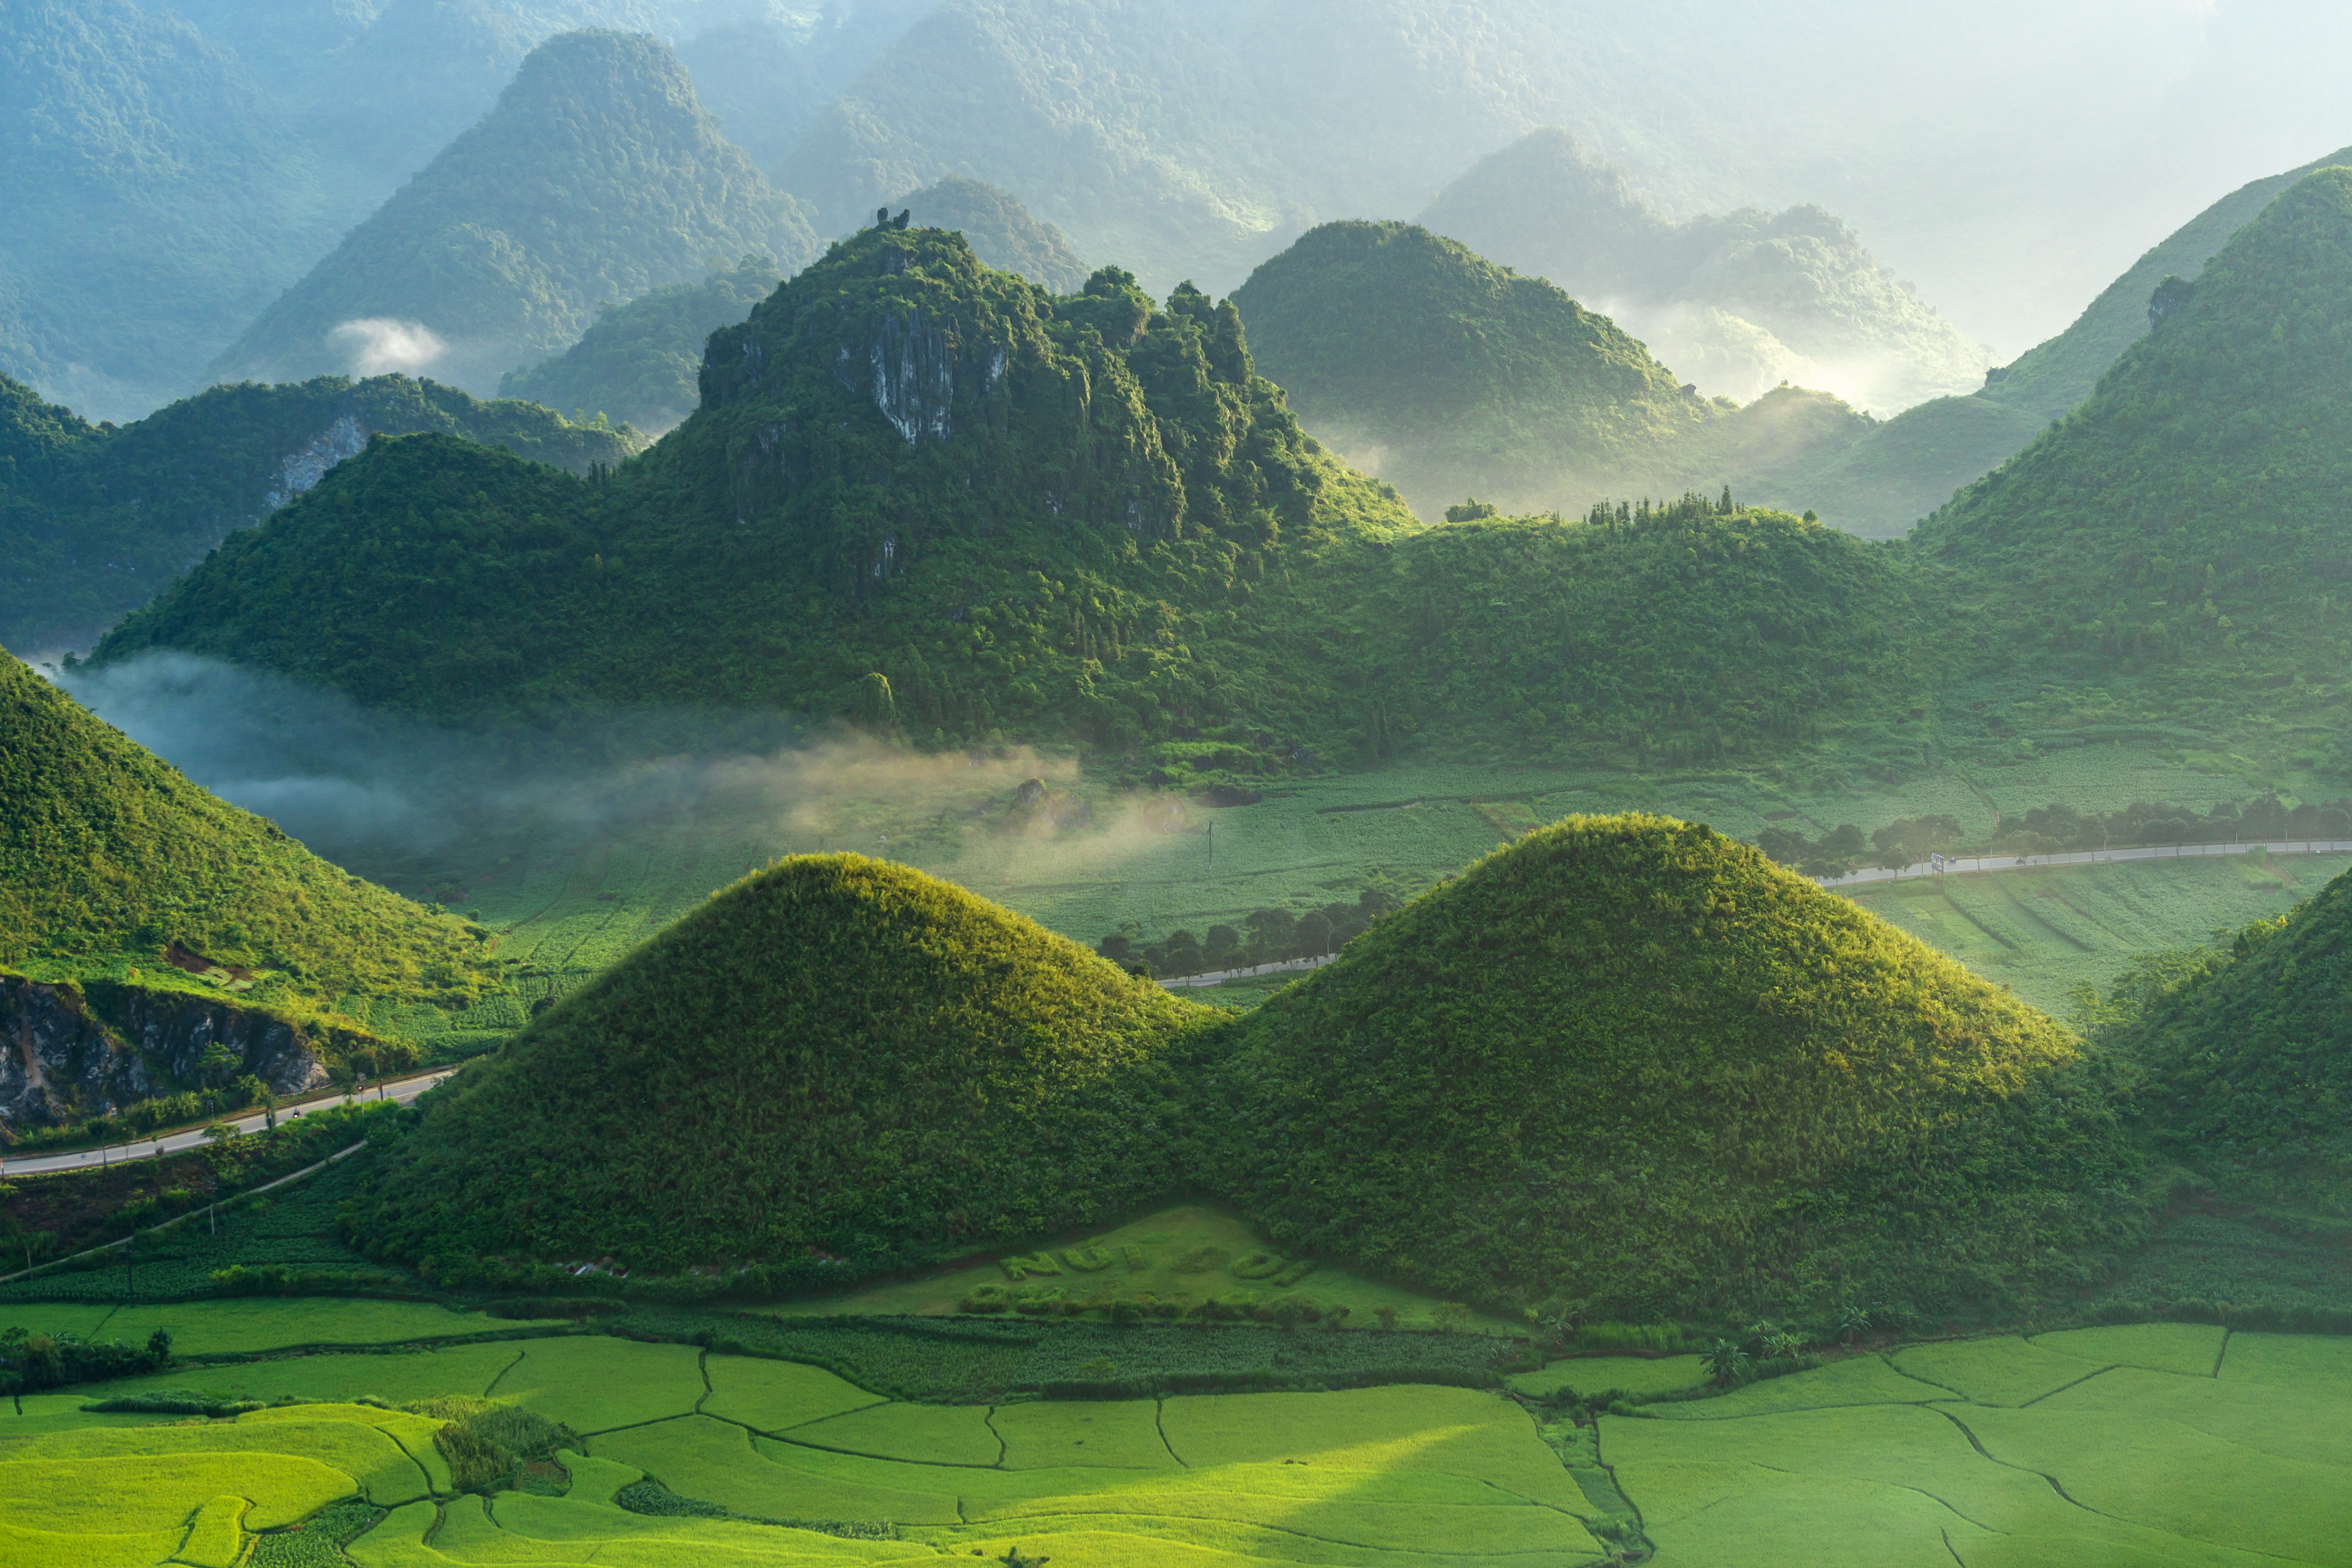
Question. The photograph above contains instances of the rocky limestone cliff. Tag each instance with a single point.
(61, 1060)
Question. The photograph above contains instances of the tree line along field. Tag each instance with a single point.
(2166, 1443)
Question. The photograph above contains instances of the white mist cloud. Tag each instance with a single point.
(381, 344)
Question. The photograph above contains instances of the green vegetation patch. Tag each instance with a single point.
(2192, 1350)
(920, 1434)
(399, 1376)
(779, 1395)
(109, 859)
(1052, 1435)
(2297, 1360)
(1857, 1379)
(1580, 1130)
(1999, 1371)
(591, 1382)
(865, 1060)
(1594, 1378)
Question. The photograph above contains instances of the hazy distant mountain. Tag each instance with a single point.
(151, 201)
(1001, 231)
(1738, 303)
(641, 364)
(596, 178)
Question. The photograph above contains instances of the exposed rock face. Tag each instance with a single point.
(308, 464)
(60, 1061)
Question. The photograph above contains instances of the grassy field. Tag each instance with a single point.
(567, 901)
(1174, 1259)
(2172, 1445)
(2163, 1443)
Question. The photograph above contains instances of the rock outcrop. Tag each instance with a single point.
(66, 1054)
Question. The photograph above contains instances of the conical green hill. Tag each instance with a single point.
(2189, 514)
(836, 1054)
(597, 177)
(109, 858)
(1630, 1063)
(2248, 1057)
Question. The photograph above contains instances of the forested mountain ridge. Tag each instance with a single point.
(1738, 302)
(937, 498)
(1004, 233)
(596, 178)
(95, 521)
(154, 199)
(2188, 517)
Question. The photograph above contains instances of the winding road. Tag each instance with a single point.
(399, 1090)
(1966, 865)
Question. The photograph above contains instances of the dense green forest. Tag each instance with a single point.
(1631, 1065)
(875, 1065)
(1739, 302)
(2180, 528)
(834, 1053)
(641, 364)
(2244, 1052)
(95, 520)
(596, 178)
(110, 858)
(1079, 518)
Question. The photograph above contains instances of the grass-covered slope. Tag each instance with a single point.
(96, 521)
(1001, 231)
(597, 177)
(2188, 517)
(1631, 1063)
(641, 364)
(2248, 1053)
(1073, 517)
(835, 1053)
(109, 858)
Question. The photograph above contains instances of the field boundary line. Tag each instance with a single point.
(2100, 1372)
(1160, 1425)
(1898, 1370)
(1893, 1486)
(988, 1420)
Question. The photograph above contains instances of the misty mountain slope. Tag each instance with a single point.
(94, 522)
(933, 497)
(1194, 140)
(1002, 232)
(2052, 377)
(110, 858)
(749, 74)
(154, 199)
(596, 178)
(1451, 376)
(641, 364)
(1738, 302)
(1448, 375)
(1492, 1091)
(881, 1065)
(2188, 516)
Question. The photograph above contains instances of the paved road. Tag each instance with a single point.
(1965, 864)
(400, 1090)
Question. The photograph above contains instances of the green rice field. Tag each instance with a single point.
(568, 902)
(2159, 1444)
